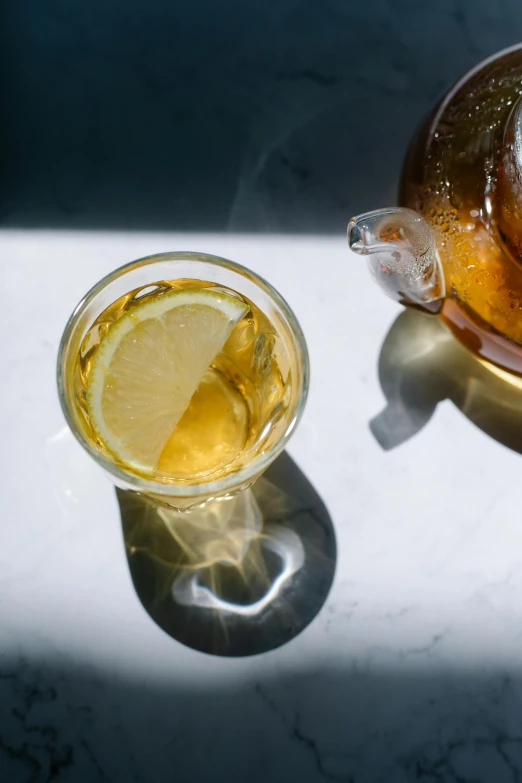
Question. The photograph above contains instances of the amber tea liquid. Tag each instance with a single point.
(234, 413)
(458, 176)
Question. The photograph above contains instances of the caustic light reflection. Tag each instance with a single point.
(229, 561)
(188, 590)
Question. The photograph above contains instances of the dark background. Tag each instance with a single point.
(242, 115)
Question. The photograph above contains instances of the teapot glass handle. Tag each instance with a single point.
(401, 254)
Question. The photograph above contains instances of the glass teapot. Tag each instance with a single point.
(454, 247)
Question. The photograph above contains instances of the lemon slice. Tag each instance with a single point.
(148, 366)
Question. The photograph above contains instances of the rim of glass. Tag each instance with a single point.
(234, 479)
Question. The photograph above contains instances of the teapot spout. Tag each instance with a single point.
(401, 255)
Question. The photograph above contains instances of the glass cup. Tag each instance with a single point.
(214, 520)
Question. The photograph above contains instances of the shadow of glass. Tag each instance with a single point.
(258, 589)
(421, 364)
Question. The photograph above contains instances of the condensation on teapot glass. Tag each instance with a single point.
(509, 185)
(401, 254)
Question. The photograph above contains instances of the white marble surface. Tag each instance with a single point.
(411, 671)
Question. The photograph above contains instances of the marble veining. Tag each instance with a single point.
(77, 725)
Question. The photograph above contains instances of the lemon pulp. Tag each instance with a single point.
(149, 366)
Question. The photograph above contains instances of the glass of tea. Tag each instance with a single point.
(183, 376)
